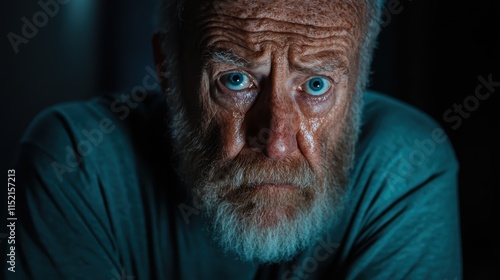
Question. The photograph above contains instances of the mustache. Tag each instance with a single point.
(252, 169)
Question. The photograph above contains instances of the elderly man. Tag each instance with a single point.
(277, 163)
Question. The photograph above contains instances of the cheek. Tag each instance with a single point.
(315, 144)
(318, 135)
(232, 136)
(223, 112)
(310, 142)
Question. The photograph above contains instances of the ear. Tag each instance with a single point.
(159, 58)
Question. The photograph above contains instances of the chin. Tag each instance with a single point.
(268, 205)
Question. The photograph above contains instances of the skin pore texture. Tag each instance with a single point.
(263, 112)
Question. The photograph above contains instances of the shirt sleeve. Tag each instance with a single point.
(406, 224)
(62, 232)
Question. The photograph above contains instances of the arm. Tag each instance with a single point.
(406, 222)
(412, 232)
(62, 231)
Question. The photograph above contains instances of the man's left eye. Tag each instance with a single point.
(236, 81)
(316, 86)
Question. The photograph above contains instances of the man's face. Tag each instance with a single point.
(266, 139)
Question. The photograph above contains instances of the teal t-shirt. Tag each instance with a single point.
(98, 199)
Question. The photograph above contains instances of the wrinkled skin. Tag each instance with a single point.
(283, 43)
(284, 151)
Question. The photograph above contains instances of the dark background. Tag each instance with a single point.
(430, 55)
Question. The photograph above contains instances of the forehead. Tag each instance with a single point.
(306, 31)
(320, 13)
(312, 12)
(311, 16)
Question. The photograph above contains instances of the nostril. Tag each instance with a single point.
(258, 141)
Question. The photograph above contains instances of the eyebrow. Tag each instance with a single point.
(227, 56)
(330, 65)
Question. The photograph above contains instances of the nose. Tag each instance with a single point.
(273, 124)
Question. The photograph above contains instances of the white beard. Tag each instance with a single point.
(250, 240)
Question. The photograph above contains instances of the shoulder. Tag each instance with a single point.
(67, 123)
(400, 150)
(85, 134)
(392, 128)
(403, 195)
(108, 115)
(384, 116)
(88, 182)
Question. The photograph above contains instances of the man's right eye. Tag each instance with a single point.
(236, 81)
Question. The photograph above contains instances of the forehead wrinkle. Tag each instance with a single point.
(285, 37)
(319, 13)
(303, 58)
(240, 20)
(252, 35)
(256, 41)
(262, 25)
(218, 29)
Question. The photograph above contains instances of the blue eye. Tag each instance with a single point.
(316, 86)
(236, 81)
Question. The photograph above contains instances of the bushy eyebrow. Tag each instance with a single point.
(228, 56)
(323, 65)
